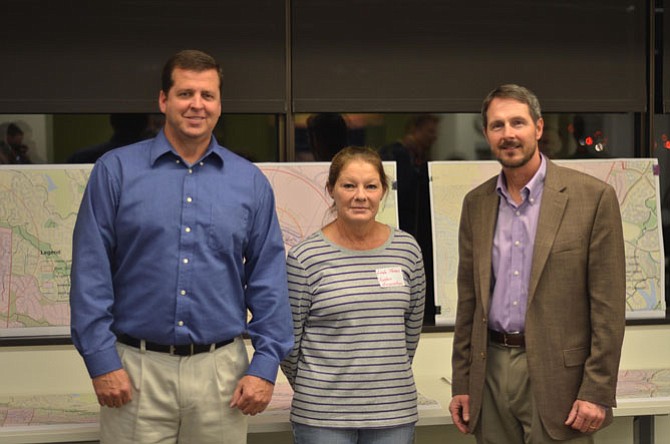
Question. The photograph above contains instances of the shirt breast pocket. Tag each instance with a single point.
(227, 228)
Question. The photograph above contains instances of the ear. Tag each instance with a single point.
(485, 134)
(483, 127)
(162, 98)
(539, 128)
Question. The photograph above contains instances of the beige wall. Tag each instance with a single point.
(59, 369)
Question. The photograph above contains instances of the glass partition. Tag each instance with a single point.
(459, 135)
(82, 138)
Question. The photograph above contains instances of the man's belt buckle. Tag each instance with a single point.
(507, 344)
(173, 350)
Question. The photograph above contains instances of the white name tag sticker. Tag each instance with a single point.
(390, 277)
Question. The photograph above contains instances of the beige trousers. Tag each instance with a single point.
(508, 414)
(179, 399)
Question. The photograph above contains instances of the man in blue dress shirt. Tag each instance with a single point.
(175, 240)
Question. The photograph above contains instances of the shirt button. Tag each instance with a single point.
(190, 171)
(187, 229)
(516, 243)
(516, 272)
(183, 292)
(180, 323)
(531, 200)
(518, 213)
(178, 161)
(185, 260)
(515, 303)
(202, 163)
(189, 199)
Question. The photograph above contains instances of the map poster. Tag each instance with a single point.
(38, 210)
(637, 186)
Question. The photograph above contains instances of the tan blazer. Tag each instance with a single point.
(576, 301)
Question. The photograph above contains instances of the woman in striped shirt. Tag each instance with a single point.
(357, 291)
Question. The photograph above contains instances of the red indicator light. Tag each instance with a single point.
(667, 144)
(589, 141)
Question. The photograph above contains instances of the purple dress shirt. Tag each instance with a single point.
(512, 256)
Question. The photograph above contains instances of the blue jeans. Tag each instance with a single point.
(304, 434)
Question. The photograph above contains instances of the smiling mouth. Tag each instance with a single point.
(507, 146)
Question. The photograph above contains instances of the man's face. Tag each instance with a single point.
(425, 135)
(511, 132)
(192, 106)
(15, 140)
(550, 143)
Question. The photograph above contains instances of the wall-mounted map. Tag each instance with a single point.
(637, 187)
(38, 209)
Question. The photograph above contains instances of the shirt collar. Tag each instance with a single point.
(533, 188)
(162, 147)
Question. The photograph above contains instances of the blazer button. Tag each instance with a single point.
(483, 355)
(484, 320)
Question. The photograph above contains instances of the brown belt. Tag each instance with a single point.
(507, 339)
(180, 350)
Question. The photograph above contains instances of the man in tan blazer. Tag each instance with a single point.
(541, 291)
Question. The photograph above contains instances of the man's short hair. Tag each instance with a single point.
(419, 120)
(515, 92)
(191, 60)
(14, 130)
(327, 133)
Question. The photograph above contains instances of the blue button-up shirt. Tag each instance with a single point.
(176, 254)
(512, 256)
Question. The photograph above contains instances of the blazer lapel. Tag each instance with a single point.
(554, 201)
(486, 217)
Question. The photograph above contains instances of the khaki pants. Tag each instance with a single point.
(179, 399)
(508, 414)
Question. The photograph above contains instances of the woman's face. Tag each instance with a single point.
(357, 192)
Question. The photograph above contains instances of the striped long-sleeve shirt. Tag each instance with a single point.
(357, 317)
